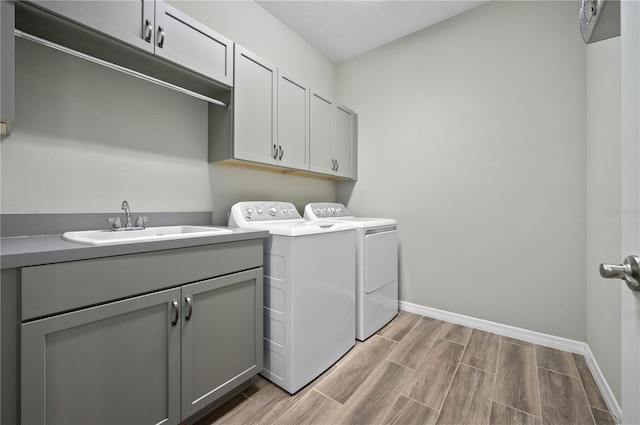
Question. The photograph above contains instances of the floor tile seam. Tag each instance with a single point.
(444, 400)
(384, 418)
(561, 373)
(605, 411)
(423, 404)
(412, 327)
(495, 377)
(419, 360)
(479, 368)
(573, 362)
(295, 403)
(515, 408)
(396, 363)
(455, 342)
(536, 384)
(537, 378)
(387, 338)
(584, 391)
(329, 397)
(512, 341)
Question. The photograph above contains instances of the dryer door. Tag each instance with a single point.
(381, 259)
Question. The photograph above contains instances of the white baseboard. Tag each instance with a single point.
(605, 390)
(538, 338)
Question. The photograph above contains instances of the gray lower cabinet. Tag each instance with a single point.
(221, 337)
(151, 359)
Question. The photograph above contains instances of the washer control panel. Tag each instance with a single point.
(328, 210)
(252, 211)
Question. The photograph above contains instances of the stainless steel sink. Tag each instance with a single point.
(109, 237)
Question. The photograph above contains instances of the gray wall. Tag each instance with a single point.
(86, 138)
(603, 206)
(472, 134)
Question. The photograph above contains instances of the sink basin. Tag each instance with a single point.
(108, 237)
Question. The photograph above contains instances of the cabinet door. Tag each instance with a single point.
(254, 108)
(130, 21)
(320, 134)
(221, 336)
(342, 141)
(187, 42)
(293, 123)
(117, 363)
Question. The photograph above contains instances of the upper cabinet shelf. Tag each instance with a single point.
(278, 124)
(147, 36)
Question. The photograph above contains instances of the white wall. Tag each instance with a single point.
(472, 134)
(603, 206)
(85, 138)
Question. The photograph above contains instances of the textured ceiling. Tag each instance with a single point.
(342, 29)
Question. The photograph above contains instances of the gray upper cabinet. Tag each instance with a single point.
(186, 42)
(333, 138)
(269, 121)
(343, 142)
(320, 134)
(293, 122)
(130, 21)
(157, 28)
(254, 109)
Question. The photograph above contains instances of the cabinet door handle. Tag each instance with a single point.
(148, 31)
(275, 152)
(337, 165)
(160, 37)
(176, 312)
(281, 152)
(189, 308)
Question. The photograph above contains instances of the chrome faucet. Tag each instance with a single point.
(116, 223)
(127, 214)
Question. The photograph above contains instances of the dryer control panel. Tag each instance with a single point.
(326, 210)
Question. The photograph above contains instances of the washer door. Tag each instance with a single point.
(381, 259)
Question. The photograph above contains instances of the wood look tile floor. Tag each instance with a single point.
(419, 370)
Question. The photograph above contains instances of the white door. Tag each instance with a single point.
(630, 50)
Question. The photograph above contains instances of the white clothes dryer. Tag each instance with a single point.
(376, 265)
(309, 291)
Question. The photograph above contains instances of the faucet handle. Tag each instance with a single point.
(141, 222)
(115, 222)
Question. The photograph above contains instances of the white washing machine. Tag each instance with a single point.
(376, 265)
(309, 291)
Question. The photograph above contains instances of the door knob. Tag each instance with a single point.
(629, 270)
